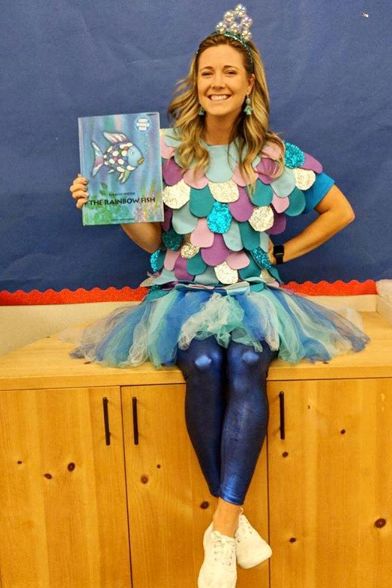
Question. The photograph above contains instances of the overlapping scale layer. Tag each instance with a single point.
(216, 229)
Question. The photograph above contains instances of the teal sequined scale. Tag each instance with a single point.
(172, 240)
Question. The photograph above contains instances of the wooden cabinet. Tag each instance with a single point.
(62, 488)
(169, 503)
(101, 488)
(330, 483)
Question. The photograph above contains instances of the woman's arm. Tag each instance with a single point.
(335, 213)
(146, 235)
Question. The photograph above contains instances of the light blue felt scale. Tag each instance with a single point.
(183, 220)
(208, 277)
(285, 184)
(222, 162)
(233, 237)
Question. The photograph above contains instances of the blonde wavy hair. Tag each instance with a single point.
(250, 133)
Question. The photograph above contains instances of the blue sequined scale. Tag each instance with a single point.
(156, 260)
(261, 258)
(294, 156)
(219, 219)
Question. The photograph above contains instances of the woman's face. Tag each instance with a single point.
(222, 81)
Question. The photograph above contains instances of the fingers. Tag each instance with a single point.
(81, 202)
(78, 190)
(79, 183)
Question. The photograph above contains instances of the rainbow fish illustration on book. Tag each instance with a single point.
(120, 156)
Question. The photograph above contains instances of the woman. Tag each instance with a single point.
(214, 306)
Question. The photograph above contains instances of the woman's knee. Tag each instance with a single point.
(243, 358)
(202, 357)
(250, 357)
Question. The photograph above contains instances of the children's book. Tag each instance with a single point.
(120, 156)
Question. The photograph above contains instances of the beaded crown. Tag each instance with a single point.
(236, 25)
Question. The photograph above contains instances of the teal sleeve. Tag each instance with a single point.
(316, 193)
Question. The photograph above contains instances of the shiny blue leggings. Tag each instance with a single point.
(226, 411)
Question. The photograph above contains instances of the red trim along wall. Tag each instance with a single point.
(35, 297)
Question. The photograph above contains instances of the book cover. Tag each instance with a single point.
(120, 156)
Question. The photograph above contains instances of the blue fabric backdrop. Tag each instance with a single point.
(329, 71)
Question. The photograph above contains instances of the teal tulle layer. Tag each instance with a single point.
(154, 329)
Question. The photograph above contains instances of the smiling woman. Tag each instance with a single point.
(223, 84)
(215, 305)
(223, 98)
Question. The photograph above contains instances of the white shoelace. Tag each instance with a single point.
(224, 550)
(244, 528)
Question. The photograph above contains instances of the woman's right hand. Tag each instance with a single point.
(79, 191)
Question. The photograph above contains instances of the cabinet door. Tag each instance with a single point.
(169, 502)
(63, 506)
(330, 482)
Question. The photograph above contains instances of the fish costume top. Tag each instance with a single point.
(212, 276)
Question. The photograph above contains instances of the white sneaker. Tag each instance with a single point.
(219, 568)
(251, 549)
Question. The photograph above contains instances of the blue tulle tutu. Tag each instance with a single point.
(154, 329)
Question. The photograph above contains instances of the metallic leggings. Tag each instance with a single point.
(226, 411)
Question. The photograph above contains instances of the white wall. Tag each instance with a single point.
(20, 325)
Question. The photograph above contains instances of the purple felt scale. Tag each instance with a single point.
(172, 173)
(195, 180)
(312, 163)
(180, 269)
(266, 169)
(242, 208)
(280, 203)
(237, 260)
(168, 213)
(279, 224)
(202, 236)
(217, 253)
(170, 259)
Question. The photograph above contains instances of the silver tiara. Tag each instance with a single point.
(237, 23)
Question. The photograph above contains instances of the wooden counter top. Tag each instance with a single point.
(46, 364)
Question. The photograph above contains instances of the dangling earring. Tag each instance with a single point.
(201, 111)
(248, 109)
